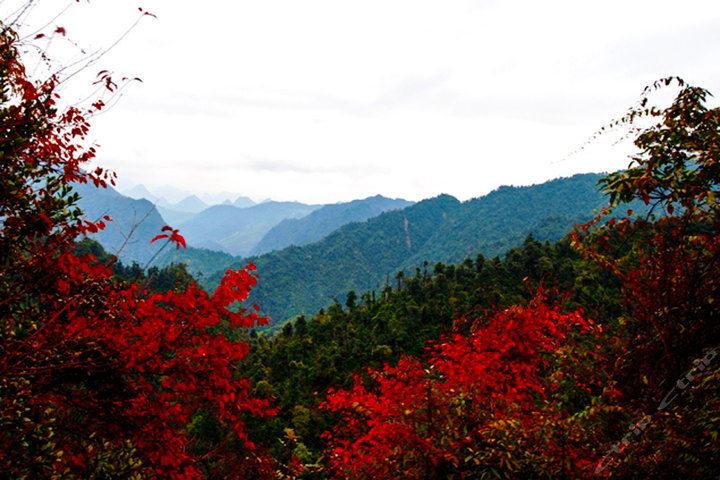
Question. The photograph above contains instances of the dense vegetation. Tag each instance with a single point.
(323, 221)
(100, 377)
(569, 359)
(155, 279)
(310, 355)
(200, 262)
(363, 256)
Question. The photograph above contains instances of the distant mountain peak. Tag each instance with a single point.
(137, 218)
(190, 204)
(140, 191)
(242, 202)
(323, 221)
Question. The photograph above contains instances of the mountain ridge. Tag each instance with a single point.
(134, 222)
(323, 221)
(236, 230)
(361, 256)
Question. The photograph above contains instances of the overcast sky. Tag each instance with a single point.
(325, 101)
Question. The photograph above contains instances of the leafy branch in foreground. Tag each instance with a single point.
(100, 378)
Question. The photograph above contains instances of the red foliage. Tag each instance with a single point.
(668, 264)
(469, 412)
(173, 237)
(668, 261)
(99, 377)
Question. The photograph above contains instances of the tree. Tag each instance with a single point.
(478, 407)
(99, 378)
(533, 392)
(668, 263)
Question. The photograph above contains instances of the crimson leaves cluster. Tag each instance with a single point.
(98, 377)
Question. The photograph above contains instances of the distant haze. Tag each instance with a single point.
(322, 101)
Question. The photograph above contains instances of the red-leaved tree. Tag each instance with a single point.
(668, 262)
(100, 378)
(483, 405)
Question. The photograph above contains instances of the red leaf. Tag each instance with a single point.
(158, 237)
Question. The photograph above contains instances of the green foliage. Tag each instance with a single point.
(361, 256)
(155, 279)
(299, 363)
(324, 221)
(200, 262)
(678, 163)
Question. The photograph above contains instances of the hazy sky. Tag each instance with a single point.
(325, 101)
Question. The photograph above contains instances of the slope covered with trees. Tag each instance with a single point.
(593, 356)
(200, 262)
(291, 231)
(312, 354)
(324, 221)
(500, 220)
(364, 256)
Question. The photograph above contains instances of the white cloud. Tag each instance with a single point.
(332, 100)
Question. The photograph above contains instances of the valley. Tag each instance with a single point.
(307, 256)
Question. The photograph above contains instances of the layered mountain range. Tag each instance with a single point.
(366, 255)
(227, 230)
(308, 256)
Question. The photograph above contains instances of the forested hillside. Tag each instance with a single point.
(370, 329)
(363, 256)
(500, 220)
(323, 221)
(591, 357)
(155, 279)
(201, 262)
(291, 231)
